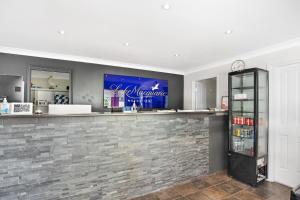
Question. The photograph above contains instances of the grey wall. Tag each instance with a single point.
(8, 86)
(211, 92)
(218, 143)
(88, 78)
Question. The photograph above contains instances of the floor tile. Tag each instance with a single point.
(201, 183)
(261, 192)
(147, 197)
(220, 187)
(284, 196)
(185, 189)
(245, 195)
(215, 193)
(162, 195)
(276, 188)
(231, 198)
(197, 196)
(239, 184)
(216, 179)
(167, 194)
(229, 187)
(180, 198)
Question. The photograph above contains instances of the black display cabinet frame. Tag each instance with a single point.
(248, 125)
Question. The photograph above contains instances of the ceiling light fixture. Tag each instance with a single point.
(228, 32)
(126, 44)
(176, 55)
(166, 6)
(61, 32)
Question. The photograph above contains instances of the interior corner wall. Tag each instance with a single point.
(271, 61)
(221, 73)
(276, 58)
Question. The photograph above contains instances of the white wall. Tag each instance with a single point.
(282, 57)
(270, 61)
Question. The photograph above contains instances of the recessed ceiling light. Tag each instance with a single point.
(126, 44)
(228, 32)
(176, 55)
(166, 6)
(61, 32)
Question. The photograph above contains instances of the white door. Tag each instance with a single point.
(200, 101)
(287, 134)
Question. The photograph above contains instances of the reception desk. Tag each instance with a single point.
(107, 156)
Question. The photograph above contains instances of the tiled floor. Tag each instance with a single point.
(220, 186)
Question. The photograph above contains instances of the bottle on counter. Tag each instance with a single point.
(134, 107)
(5, 106)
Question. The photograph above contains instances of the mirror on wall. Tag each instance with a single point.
(49, 87)
(11, 88)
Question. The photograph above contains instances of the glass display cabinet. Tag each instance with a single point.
(248, 125)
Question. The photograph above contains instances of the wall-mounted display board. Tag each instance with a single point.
(122, 91)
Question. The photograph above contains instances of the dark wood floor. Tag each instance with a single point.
(220, 186)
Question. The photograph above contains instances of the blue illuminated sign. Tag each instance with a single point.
(121, 91)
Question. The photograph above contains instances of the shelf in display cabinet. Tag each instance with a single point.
(241, 137)
(243, 100)
(245, 112)
(250, 74)
(243, 153)
(246, 100)
(246, 88)
(242, 126)
(243, 88)
(236, 111)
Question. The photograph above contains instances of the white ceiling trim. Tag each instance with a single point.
(42, 54)
(252, 54)
(263, 51)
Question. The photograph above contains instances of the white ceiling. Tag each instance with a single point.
(96, 30)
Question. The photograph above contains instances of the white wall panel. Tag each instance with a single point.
(284, 152)
(287, 169)
(298, 153)
(283, 97)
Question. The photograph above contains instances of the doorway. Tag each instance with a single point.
(205, 94)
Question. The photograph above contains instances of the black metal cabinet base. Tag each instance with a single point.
(244, 169)
(295, 193)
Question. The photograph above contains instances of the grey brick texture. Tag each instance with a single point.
(100, 157)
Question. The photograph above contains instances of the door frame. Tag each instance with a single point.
(273, 120)
(218, 97)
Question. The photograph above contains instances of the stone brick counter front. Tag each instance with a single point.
(113, 157)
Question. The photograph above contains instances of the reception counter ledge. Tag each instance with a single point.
(107, 156)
